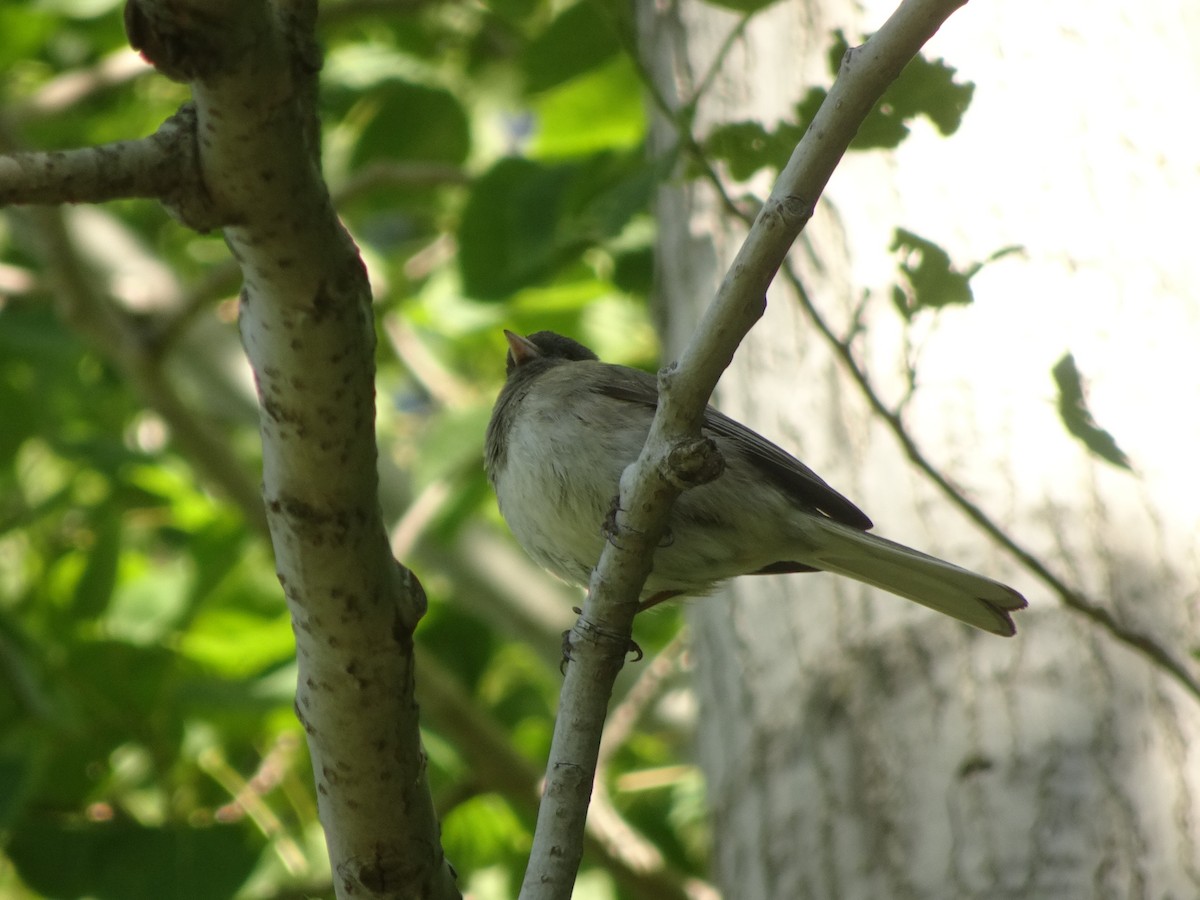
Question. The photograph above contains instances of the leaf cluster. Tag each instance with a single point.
(925, 88)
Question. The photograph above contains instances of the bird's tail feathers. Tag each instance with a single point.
(945, 587)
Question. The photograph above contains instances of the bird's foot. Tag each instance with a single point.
(568, 651)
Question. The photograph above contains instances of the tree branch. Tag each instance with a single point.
(670, 461)
(306, 324)
(153, 167)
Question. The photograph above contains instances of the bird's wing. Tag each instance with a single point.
(805, 486)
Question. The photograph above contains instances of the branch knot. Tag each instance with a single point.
(792, 210)
(692, 462)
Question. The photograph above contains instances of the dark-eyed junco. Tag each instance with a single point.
(566, 425)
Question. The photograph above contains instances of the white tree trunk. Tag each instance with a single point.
(859, 746)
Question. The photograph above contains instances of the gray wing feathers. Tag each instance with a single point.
(804, 485)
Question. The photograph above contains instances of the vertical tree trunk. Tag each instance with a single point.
(859, 746)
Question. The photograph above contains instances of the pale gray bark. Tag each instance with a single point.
(308, 330)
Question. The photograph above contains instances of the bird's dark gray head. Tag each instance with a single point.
(528, 357)
(543, 345)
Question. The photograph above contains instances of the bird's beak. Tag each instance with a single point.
(521, 349)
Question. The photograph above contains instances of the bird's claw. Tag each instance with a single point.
(631, 646)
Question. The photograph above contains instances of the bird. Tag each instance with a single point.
(564, 427)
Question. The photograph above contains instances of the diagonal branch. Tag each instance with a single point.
(673, 456)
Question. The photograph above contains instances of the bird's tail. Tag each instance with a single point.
(916, 576)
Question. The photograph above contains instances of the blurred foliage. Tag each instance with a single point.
(1077, 417)
(925, 88)
(929, 280)
(489, 161)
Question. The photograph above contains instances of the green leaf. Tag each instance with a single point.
(747, 147)
(22, 763)
(599, 110)
(121, 860)
(928, 87)
(150, 600)
(107, 694)
(484, 831)
(579, 38)
(633, 270)
(924, 88)
(123, 691)
(512, 10)
(1073, 409)
(607, 192)
(932, 280)
(26, 32)
(526, 220)
(508, 235)
(452, 441)
(413, 121)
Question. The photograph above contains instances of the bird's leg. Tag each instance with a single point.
(631, 646)
(609, 528)
(566, 652)
(655, 599)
